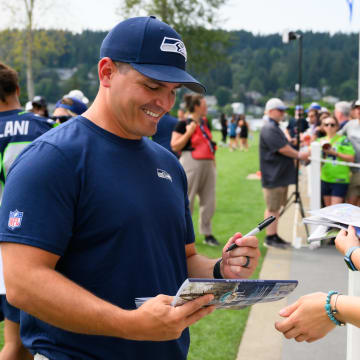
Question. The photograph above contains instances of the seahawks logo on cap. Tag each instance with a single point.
(173, 45)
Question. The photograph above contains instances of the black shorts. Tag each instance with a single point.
(333, 189)
(8, 311)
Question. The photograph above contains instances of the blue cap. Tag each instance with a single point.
(74, 105)
(152, 48)
(299, 107)
(314, 106)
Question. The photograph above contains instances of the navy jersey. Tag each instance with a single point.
(17, 129)
(164, 131)
(116, 212)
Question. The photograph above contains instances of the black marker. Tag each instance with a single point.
(261, 226)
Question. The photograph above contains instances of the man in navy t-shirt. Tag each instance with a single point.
(164, 131)
(17, 129)
(103, 218)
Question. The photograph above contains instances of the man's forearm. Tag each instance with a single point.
(200, 266)
(288, 151)
(49, 296)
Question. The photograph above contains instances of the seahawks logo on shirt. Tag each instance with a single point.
(163, 174)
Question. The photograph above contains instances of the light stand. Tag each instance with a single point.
(295, 196)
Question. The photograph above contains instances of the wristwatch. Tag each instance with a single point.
(347, 258)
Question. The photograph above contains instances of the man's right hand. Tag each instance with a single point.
(304, 155)
(157, 320)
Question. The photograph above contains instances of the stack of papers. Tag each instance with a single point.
(331, 219)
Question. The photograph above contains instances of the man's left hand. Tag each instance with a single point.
(234, 261)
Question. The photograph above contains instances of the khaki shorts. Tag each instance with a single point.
(275, 197)
(354, 186)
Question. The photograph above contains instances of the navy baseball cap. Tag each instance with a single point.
(73, 104)
(152, 48)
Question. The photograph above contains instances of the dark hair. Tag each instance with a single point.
(192, 100)
(9, 81)
(317, 115)
(41, 107)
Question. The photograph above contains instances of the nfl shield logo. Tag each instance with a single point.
(15, 218)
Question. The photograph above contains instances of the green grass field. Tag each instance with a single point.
(239, 207)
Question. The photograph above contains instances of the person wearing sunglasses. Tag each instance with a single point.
(66, 108)
(335, 178)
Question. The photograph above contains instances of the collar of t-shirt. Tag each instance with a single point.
(10, 112)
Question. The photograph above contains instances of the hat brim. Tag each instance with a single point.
(170, 74)
(282, 108)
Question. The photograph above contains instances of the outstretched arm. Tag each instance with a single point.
(306, 319)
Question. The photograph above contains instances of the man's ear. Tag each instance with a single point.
(106, 69)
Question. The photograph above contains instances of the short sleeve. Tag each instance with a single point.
(346, 147)
(180, 127)
(39, 199)
(274, 138)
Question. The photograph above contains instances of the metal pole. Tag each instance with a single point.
(300, 70)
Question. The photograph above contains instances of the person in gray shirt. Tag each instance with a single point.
(277, 168)
(352, 131)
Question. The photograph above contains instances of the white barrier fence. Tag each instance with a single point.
(353, 333)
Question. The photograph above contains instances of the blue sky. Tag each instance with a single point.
(257, 16)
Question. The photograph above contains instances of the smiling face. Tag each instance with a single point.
(135, 103)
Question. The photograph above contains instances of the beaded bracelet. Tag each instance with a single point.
(329, 311)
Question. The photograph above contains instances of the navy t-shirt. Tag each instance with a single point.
(164, 131)
(276, 169)
(18, 129)
(116, 212)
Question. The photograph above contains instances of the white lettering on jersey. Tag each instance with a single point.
(13, 128)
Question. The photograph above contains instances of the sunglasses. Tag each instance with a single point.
(61, 118)
(330, 124)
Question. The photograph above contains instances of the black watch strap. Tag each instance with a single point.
(216, 271)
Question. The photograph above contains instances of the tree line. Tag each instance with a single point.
(260, 63)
